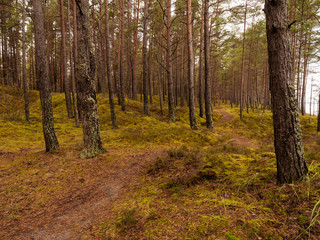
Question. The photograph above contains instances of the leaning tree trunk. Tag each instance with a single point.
(192, 112)
(291, 164)
(85, 78)
(42, 72)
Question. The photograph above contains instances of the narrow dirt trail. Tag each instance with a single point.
(237, 139)
(81, 208)
(73, 215)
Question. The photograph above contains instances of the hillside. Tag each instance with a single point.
(157, 180)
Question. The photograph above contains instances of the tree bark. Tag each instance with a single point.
(144, 55)
(73, 81)
(192, 113)
(109, 78)
(50, 138)
(243, 62)
(291, 164)
(207, 91)
(135, 49)
(121, 49)
(169, 64)
(85, 78)
(200, 95)
(63, 68)
(24, 68)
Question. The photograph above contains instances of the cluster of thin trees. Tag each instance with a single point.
(181, 51)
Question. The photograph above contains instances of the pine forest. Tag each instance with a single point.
(160, 119)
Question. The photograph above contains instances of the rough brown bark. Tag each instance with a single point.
(42, 73)
(207, 91)
(291, 164)
(85, 78)
(109, 78)
(192, 113)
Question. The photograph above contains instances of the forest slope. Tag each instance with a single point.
(157, 180)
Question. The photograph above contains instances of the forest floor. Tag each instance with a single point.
(157, 180)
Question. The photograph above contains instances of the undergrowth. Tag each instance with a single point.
(204, 187)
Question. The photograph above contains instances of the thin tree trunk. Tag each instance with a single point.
(200, 69)
(150, 70)
(24, 68)
(169, 64)
(192, 113)
(243, 62)
(75, 47)
(144, 55)
(121, 49)
(50, 138)
(108, 62)
(63, 68)
(102, 67)
(305, 74)
(207, 91)
(135, 49)
(73, 81)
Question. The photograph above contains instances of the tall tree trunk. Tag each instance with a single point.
(318, 125)
(160, 77)
(121, 49)
(24, 67)
(291, 164)
(108, 62)
(305, 74)
(192, 113)
(200, 95)
(73, 81)
(87, 93)
(169, 64)
(144, 54)
(243, 62)
(135, 49)
(75, 47)
(207, 90)
(43, 78)
(101, 54)
(150, 70)
(63, 68)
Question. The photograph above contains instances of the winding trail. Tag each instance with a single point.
(73, 215)
(236, 138)
(83, 207)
